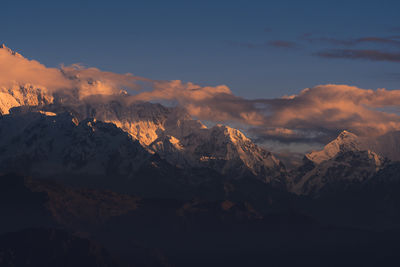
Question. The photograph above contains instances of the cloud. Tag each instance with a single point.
(212, 103)
(391, 40)
(375, 47)
(377, 52)
(216, 103)
(283, 44)
(18, 71)
(248, 45)
(92, 81)
(267, 29)
(324, 110)
(373, 55)
(316, 114)
(274, 43)
(333, 41)
(378, 40)
(394, 29)
(393, 76)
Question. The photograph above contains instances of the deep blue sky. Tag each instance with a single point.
(208, 42)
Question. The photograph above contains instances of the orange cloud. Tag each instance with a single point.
(315, 112)
(17, 70)
(92, 81)
(331, 108)
(210, 103)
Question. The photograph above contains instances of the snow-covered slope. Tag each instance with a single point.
(335, 174)
(221, 148)
(342, 162)
(346, 141)
(26, 95)
(184, 142)
(142, 120)
(52, 145)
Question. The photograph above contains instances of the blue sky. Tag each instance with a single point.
(260, 49)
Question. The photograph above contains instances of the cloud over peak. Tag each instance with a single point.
(16, 69)
(316, 114)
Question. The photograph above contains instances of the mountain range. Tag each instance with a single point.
(113, 138)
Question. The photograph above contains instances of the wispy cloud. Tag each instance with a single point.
(393, 76)
(394, 29)
(391, 40)
(283, 44)
(264, 45)
(267, 29)
(374, 55)
(373, 48)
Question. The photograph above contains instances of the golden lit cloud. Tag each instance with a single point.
(17, 70)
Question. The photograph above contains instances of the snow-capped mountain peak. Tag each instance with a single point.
(346, 141)
(343, 161)
(234, 135)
